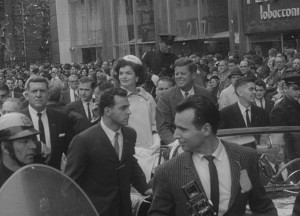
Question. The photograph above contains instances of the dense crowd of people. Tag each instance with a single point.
(93, 120)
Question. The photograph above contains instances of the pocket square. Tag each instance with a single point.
(62, 135)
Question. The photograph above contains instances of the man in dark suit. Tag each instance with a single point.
(224, 173)
(12, 93)
(260, 100)
(71, 94)
(185, 75)
(53, 125)
(101, 161)
(287, 113)
(242, 113)
(85, 105)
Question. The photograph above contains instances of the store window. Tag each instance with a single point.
(85, 23)
(134, 21)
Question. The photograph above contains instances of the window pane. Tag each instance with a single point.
(145, 20)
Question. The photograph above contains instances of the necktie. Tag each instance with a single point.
(75, 96)
(261, 104)
(247, 118)
(186, 94)
(214, 182)
(116, 145)
(89, 112)
(41, 128)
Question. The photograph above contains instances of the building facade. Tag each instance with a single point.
(109, 29)
(269, 23)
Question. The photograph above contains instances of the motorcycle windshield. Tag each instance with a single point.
(40, 190)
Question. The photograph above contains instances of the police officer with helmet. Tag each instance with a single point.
(159, 62)
(18, 145)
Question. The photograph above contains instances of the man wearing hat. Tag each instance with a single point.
(18, 146)
(159, 62)
(228, 95)
(287, 111)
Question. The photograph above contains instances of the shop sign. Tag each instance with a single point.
(270, 15)
(282, 13)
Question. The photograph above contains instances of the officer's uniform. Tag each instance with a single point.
(159, 63)
(287, 113)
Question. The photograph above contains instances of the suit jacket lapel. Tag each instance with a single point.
(235, 169)
(177, 95)
(82, 108)
(190, 171)
(52, 126)
(106, 142)
(239, 117)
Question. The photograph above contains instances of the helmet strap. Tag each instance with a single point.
(9, 147)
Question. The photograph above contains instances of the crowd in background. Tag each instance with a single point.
(263, 84)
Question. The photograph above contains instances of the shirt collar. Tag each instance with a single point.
(218, 153)
(110, 133)
(242, 108)
(258, 100)
(85, 103)
(34, 112)
(139, 91)
(191, 91)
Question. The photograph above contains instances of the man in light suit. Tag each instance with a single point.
(54, 125)
(101, 161)
(185, 75)
(225, 173)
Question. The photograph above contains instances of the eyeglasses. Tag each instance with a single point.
(74, 81)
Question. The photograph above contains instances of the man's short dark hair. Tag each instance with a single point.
(205, 111)
(192, 67)
(137, 68)
(9, 78)
(166, 78)
(36, 79)
(4, 87)
(107, 98)
(242, 81)
(55, 93)
(88, 80)
(260, 83)
(103, 85)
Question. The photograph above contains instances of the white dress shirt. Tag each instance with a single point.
(257, 102)
(111, 136)
(224, 175)
(191, 92)
(85, 106)
(72, 95)
(35, 121)
(243, 110)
